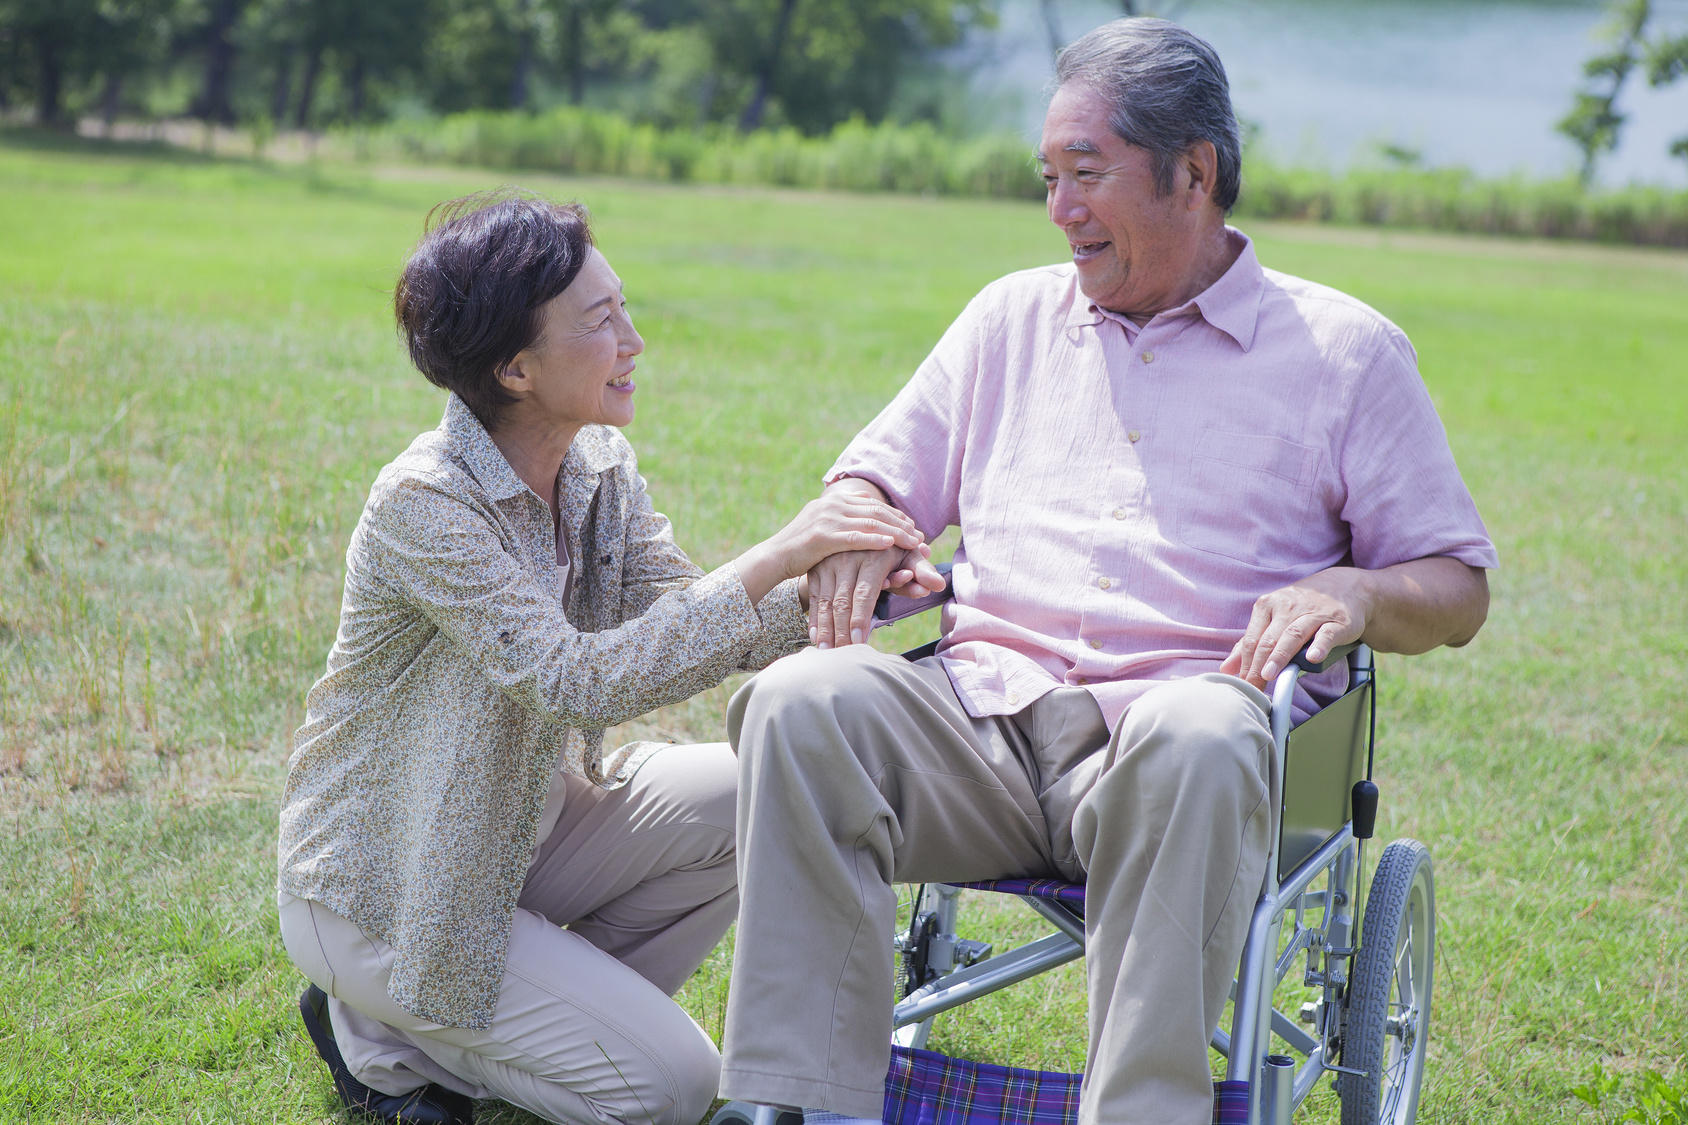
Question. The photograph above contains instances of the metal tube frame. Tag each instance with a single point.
(1272, 1085)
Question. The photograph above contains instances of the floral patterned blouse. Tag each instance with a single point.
(459, 681)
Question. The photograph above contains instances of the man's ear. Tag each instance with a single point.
(1201, 164)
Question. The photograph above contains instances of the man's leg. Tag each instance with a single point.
(857, 770)
(1173, 837)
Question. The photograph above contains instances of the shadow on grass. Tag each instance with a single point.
(331, 177)
(34, 138)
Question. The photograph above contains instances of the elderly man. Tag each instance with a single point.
(1171, 468)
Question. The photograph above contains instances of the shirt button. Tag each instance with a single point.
(1095, 644)
(1014, 697)
(1148, 357)
(1119, 513)
(1133, 436)
(1104, 582)
(1082, 680)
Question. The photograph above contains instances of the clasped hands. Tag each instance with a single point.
(844, 587)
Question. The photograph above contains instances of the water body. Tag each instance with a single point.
(1471, 83)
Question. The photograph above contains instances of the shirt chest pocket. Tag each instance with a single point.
(1251, 497)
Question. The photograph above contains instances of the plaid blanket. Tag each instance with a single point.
(926, 1088)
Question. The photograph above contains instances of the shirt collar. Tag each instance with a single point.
(1231, 304)
(588, 455)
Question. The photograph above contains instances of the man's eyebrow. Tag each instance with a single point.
(1086, 148)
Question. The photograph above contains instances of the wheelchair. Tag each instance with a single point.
(1366, 989)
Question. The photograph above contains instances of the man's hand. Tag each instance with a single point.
(1410, 607)
(844, 588)
(1326, 610)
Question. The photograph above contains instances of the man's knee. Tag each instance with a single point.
(1207, 734)
(815, 686)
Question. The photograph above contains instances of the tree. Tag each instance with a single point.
(47, 37)
(814, 63)
(1595, 122)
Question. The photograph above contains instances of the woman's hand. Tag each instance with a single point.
(839, 520)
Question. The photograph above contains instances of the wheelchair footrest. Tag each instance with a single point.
(927, 1088)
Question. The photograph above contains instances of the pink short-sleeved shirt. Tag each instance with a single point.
(1124, 494)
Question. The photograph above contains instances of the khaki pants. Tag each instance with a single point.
(584, 1030)
(859, 770)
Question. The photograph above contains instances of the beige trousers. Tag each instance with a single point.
(859, 770)
(642, 877)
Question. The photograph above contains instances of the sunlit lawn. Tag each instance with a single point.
(198, 379)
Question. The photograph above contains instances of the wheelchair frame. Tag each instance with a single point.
(1369, 1023)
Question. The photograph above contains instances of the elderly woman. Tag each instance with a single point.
(485, 903)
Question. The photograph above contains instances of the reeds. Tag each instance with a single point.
(917, 159)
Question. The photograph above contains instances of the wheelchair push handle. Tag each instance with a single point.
(891, 607)
(1332, 658)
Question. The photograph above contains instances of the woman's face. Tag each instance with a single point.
(580, 369)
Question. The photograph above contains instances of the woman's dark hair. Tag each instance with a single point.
(469, 297)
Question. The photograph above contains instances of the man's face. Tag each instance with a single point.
(1134, 250)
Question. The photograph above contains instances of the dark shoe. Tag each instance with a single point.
(431, 1105)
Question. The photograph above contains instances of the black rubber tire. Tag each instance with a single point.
(1387, 1027)
(743, 1113)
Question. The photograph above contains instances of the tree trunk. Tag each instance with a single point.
(752, 116)
(356, 82)
(282, 91)
(574, 53)
(307, 87)
(49, 80)
(520, 73)
(1052, 24)
(214, 101)
(111, 99)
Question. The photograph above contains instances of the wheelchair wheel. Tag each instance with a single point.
(1388, 1021)
(742, 1113)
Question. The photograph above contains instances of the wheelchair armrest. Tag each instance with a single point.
(1336, 654)
(891, 607)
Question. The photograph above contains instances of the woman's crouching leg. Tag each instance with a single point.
(576, 1036)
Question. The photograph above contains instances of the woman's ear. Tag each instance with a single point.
(514, 376)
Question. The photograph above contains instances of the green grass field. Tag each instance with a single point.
(199, 378)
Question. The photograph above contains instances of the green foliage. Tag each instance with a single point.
(1658, 1101)
(857, 156)
(307, 63)
(1595, 122)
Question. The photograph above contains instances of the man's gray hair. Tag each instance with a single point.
(1166, 89)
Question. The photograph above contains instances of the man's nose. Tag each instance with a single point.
(1066, 204)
